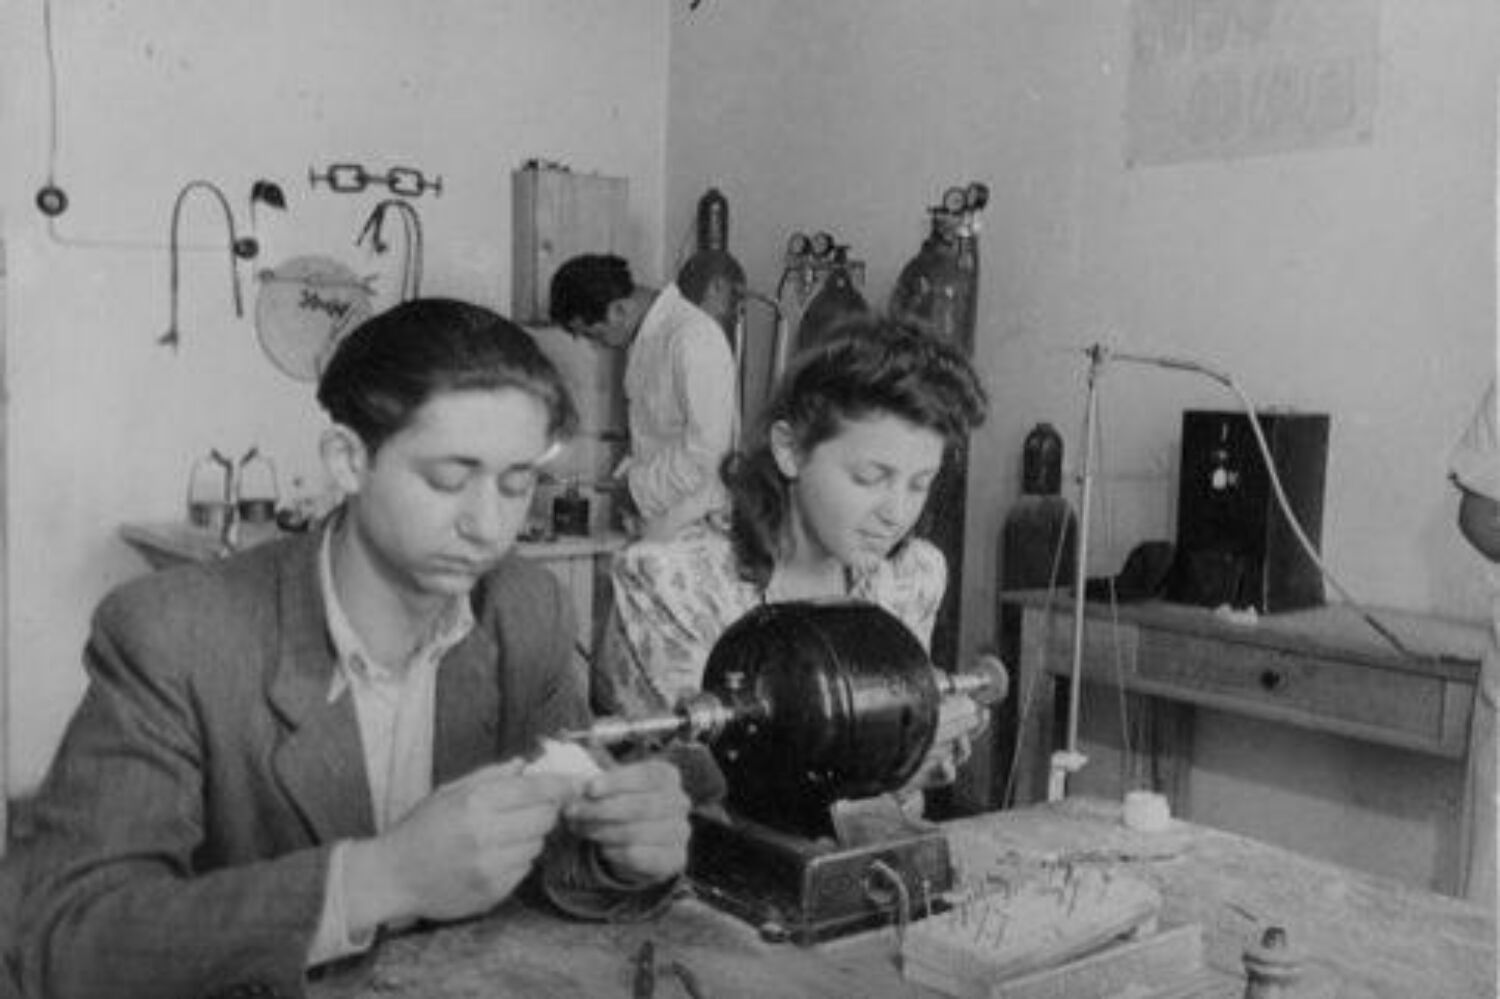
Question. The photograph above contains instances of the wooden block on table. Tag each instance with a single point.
(1037, 924)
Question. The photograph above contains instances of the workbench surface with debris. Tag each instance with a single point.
(1355, 936)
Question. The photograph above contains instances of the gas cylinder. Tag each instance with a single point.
(713, 220)
(712, 278)
(938, 289)
(1039, 539)
(835, 300)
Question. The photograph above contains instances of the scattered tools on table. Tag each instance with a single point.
(646, 970)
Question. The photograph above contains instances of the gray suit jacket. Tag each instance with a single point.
(184, 831)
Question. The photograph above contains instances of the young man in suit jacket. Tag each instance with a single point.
(285, 752)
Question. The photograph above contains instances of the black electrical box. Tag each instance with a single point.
(1234, 544)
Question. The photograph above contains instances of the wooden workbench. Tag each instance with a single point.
(1379, 939)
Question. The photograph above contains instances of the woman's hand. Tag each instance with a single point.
(960, 721)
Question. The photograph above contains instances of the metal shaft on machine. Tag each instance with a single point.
(704, 715)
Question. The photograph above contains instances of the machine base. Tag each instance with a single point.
(792, 887)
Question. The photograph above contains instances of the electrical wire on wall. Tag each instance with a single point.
(53, 201)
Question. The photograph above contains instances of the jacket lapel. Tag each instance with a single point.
(320, 763)
(466, 729)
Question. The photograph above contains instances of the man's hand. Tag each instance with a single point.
(638, 815)
(464, 848)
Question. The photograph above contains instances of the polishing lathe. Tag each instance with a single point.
(812, 711)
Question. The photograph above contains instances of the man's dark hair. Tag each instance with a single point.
(394, 362)
(583, 288)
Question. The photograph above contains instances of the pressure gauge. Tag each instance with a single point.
(976, 196)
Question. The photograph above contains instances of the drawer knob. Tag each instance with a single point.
(1272, 680)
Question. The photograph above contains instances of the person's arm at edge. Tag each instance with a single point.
(1479, 522)
(112, 887)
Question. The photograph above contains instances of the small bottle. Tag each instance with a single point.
(1272, 967)
(1039, 537)
(570, 512)
(258, 491)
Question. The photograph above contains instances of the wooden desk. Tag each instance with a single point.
(1380, 939)
(1324, 670)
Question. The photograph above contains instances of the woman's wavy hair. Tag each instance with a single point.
(869, 366)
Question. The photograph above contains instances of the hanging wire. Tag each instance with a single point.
(411, 261)
(172, 337)
(51, 199)
(52, 116)
(885, 878)
(1107, 517)
(1308, 548)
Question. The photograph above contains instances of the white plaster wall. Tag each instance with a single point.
(104, 423)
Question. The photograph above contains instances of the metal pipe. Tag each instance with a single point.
(172, 336)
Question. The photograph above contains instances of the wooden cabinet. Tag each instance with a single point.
(557, 214)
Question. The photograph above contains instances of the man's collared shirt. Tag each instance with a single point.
(395, 708)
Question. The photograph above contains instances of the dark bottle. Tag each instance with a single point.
(713, 220)
(1040, 535)
(938, 289)
(712, 278)
(1273, 967)
(570, 512)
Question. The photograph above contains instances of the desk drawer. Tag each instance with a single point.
(1108, 651)
(1417, 710)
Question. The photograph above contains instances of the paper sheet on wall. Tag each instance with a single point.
(1219, 79)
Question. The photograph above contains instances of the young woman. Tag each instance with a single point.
(824, 501)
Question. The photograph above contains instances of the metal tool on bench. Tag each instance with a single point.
(809, 707)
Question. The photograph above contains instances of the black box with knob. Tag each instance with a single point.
(1234, 545)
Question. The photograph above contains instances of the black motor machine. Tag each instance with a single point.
(813, 710)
